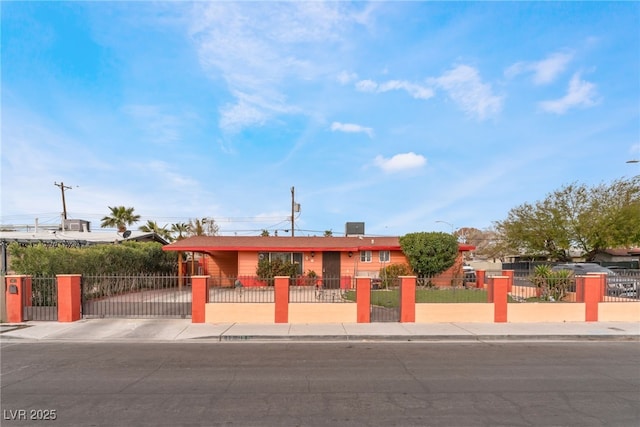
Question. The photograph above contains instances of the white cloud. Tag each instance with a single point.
(345, 77)
(414, 90)
(158, 126)
(581, 93)
(544, 71)
(257, 48)
(466, 89)
(400, 162)
(351, 128)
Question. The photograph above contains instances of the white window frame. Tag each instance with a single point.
(386, 258)
(365, 256)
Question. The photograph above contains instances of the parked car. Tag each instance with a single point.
(617, 285)
(469, 275)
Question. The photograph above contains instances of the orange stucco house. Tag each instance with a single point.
(230, 257)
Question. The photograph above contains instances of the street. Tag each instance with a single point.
(308, 384)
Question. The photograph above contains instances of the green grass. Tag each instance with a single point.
(391, 298)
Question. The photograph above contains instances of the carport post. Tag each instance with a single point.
(199, 298)
(407, 299)
(281, 299)
(69, 297)
(363, 299)
(14, 294)
(497, 294)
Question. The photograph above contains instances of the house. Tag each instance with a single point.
(230, 257)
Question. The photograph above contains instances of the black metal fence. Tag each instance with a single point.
(135, 296)
(42, 303)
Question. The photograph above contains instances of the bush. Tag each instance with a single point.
(552, 285)
(429, 254)
(267, 270)
(390, 274)
(127, 258)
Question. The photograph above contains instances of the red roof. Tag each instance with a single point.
(288, 244)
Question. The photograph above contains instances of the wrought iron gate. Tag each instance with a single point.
(40, 298)
(385, 302)
(135, 296)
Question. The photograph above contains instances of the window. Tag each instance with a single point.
(384, 256)
(365, 256)
(292, 257)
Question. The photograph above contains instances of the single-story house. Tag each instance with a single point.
(231, 257)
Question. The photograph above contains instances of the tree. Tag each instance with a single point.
(181, 228)
(575, 217)
(429, 253)
(153, 227)
(120, 218)
(203, 227)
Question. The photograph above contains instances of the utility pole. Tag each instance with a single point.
(295, 207)
(64, 204)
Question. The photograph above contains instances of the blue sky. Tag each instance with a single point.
(408, 116)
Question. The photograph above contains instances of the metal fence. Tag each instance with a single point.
(42, 304)
(135, 296)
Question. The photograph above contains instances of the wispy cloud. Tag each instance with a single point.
(256, 48)
(544, 71)
(400, 162)
(351, 128)
(158, 126)
(414, 90)
(580, 93)
(345, 77)
(465, 87)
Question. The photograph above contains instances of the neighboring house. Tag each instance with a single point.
(68, 238)
(630, 256)
(229, 257)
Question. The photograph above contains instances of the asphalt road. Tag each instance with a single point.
(309, 384)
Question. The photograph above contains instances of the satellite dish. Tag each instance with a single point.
(126, 234)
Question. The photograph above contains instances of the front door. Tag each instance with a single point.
(331, 270)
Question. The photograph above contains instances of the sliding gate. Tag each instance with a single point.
(136, 296)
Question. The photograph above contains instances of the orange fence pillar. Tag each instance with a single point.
(480, 275)
(14, 289)
(603, 283)
(69, 297)
(407, 299)
(509, 274)
(592, 296)
(363, 299)
(497, 294)
(281, 299)
(199, 298)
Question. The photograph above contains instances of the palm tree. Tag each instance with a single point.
(203, 227)
(153, 227)
(120, 218)
(181, 228)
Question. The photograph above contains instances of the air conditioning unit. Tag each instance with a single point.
(77, 225)
(354, 229)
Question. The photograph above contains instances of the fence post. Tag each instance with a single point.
(480, 274)
(69, 299)
(281, 299)
(363, 299)
(509, 274)
(14, 295)
(199, 298)
(407, 299)
(603, 283)
(497, 294)
(592, 296)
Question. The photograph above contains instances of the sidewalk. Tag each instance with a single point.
(182, 330)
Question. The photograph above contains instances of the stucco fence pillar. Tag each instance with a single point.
(15, 297)
(199, 298)
(407, 299)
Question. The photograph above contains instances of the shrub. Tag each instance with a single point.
(390, 273)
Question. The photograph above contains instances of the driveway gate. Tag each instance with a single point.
(135, 296)
(41, 301)
(385, 302)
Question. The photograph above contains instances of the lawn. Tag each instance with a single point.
(391, 298)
